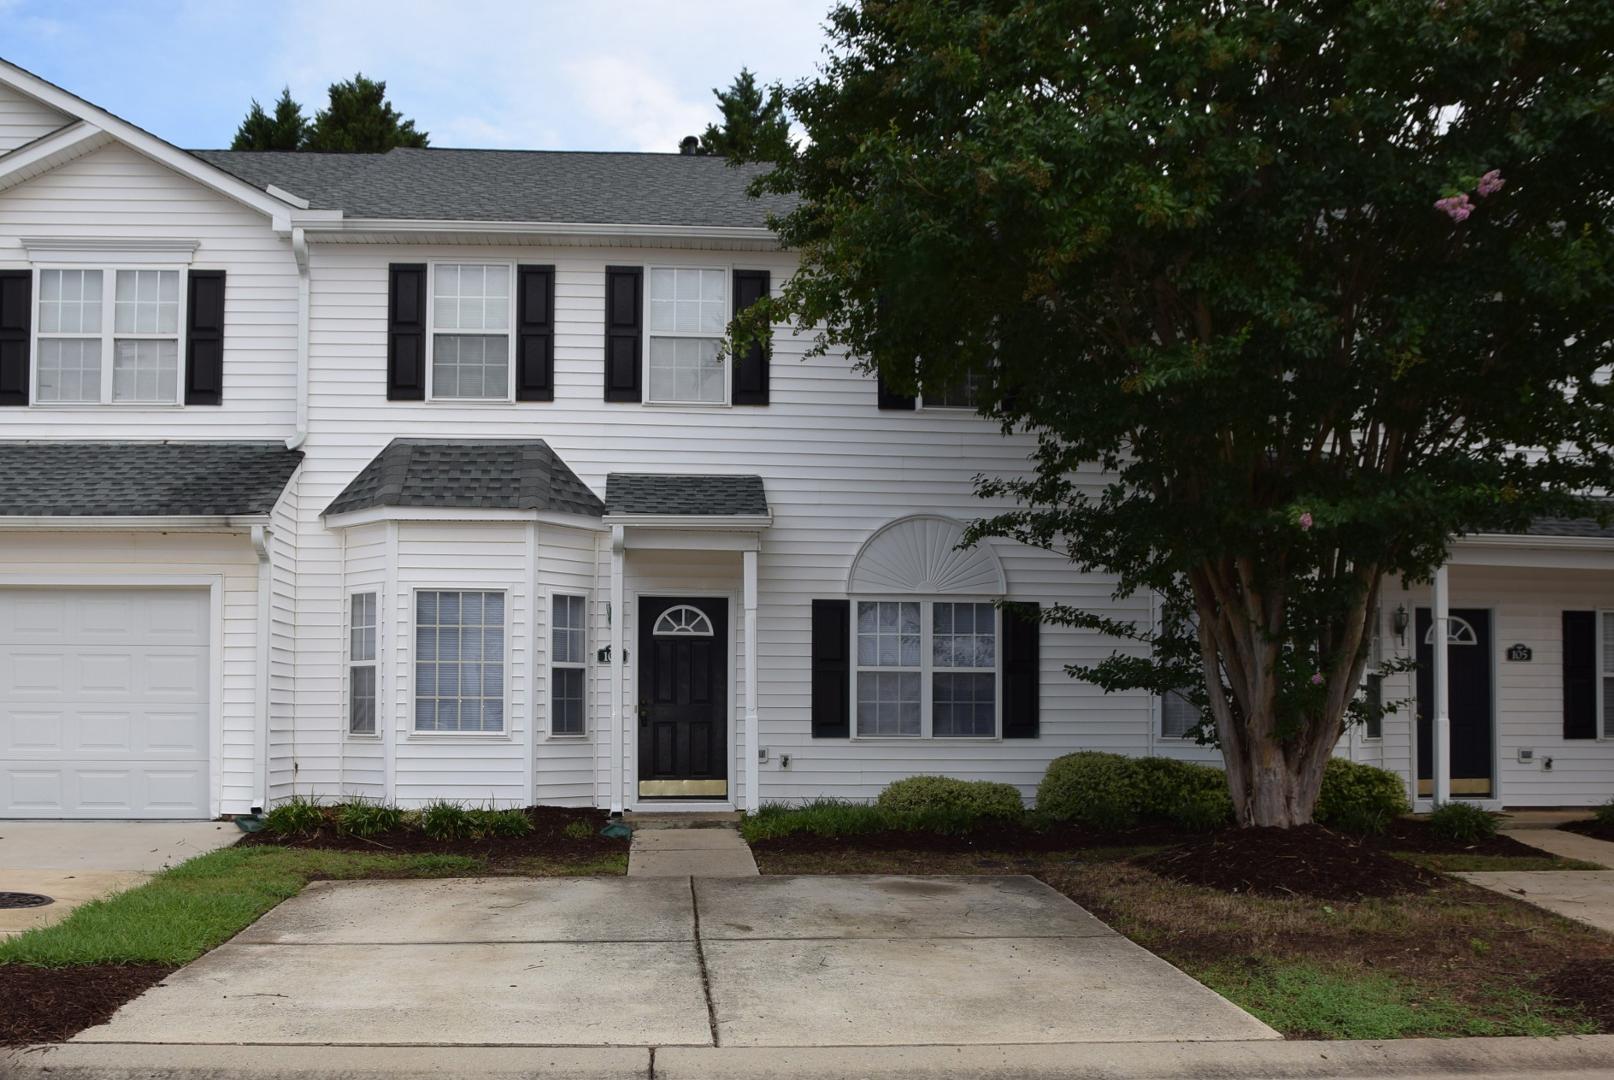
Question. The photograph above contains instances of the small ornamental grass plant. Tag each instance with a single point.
(1463, 822)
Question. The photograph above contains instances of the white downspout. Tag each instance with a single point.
(299, 251)
(618, 542)
(752, 746)
(1440, 743)
(260, 742)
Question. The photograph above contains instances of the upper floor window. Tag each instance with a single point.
(962, 393)
(689, 310)
(85, 357)
(470, 337)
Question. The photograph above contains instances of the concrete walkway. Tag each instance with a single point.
(716, 851)
(77, 861)
(675, 961)
(1567, 845)
(1584, 895)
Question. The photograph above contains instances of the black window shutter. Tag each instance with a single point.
(832, 669)
(204, 338)
(16, 313)
(889, 400)
(1022, 670)
(624, 326)
(1580, 674)
(750, 370)
(406, 332)
(535, 333)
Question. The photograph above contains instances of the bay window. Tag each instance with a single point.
(925, 668)
(568, 664)
(361, 664)
(459, 661)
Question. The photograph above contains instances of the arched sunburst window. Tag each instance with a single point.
(683, 621)
(1458, 632)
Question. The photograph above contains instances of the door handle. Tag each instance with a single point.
(644, 713)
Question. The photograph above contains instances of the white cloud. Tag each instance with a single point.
(638, 107)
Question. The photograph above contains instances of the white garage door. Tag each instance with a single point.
(104, 703)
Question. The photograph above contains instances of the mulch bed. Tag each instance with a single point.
(1588, 984)
(548, 839)
(993, 838)
(1412, 834)
(1593, 828)
(1305, 861)
(40, 1005)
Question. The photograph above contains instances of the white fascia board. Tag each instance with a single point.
(638, 539)
(407, 227)
(720, 522)
(172, 523)
(373, 514)
(48, 151)
(1525, 540)
(144, 142)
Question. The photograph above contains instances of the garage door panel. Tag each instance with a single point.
(104, 702)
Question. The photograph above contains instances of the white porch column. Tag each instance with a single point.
(1440, 723)
(616, 668)
(752, 749)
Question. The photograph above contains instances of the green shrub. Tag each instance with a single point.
(299, 815)
(1604, 814)
(1359, 798)
(448, 821)
(1463, 822)
(364, 818)
(946, 795)
(1090, 788)
(506, 823)
(820, 817)
(578, 830)
(1186, 794)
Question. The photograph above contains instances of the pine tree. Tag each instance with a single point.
(285, 130)
(360, 120)
(754, 126)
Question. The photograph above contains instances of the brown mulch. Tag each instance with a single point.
(1591, 827)
(1305, 861)
(548, 839)
(995, 838)
(1412, 834)
(40, 1005)
(1588, 984)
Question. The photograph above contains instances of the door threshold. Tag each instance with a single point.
(680, 806)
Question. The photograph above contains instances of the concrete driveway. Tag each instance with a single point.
(679, 962)
(76, 861)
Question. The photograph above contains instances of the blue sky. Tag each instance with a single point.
(540, 74)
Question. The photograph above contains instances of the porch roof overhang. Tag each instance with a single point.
(1547, 551)
(701, 503)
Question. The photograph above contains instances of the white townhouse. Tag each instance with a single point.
(418, 476)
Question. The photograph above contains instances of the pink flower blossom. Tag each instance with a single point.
(1305, 521)
(1456, 207)
(1490, 183)
(1317, 679)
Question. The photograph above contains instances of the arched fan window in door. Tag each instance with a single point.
(683, 621)
(1458, 632)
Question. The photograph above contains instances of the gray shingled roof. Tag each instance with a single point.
(128, 479)
(503, 474)
(512, 185)
(1573, 527)
(671, 493)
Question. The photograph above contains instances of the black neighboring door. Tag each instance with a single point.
(1469, 653)
(683, 695)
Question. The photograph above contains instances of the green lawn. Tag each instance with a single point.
(183, 912)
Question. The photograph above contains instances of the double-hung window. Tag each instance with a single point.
(568, 660)
(962, 393)
(361, 664)
(471, 331)
(95, 348)
(1179, 717)
(459, 661)
(689, 311)
(926, 668)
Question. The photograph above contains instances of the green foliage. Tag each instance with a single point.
(363, 817)
(449, 821)
(754, 126)
(506, 823)
(819, 817)
(285, 130)
(360, 120)
(1604, 814)
(1359, 798)
(1463, 822)
(578, 830)
(971, 798)
(298, 816)
(1197, 244)
(1090, 788)
(1185, 794)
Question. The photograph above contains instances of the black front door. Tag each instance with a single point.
(1469, 653)
(683, 694)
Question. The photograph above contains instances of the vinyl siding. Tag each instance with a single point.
(22, 119)
(567, 768)
(115, 193)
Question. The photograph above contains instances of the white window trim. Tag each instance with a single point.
(509, 333)
(504, 735)
(1375, 661)
(962, 410)
(348, 664)
(1603, 734)
(108, 334)
(644, 349)
(927, 668)
(583, 665)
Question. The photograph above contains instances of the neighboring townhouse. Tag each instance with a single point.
(419, 476)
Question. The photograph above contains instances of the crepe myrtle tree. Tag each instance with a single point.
(1290, 294)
